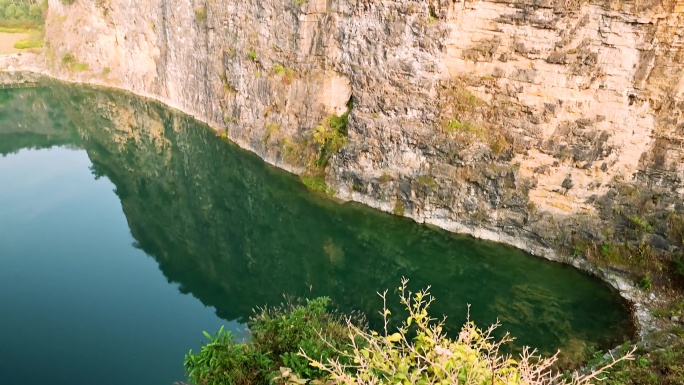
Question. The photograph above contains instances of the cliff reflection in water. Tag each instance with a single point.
(236, 233)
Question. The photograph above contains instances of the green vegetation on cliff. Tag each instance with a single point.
(326, 139)
(660, 366)
(637, 245)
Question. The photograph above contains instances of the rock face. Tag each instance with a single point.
(551, 125)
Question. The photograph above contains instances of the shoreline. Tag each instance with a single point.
(640, 302)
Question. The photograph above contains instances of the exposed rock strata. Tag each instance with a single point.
(545, 124)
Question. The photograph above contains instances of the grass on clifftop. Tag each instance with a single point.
(36, 40)
(14, 29)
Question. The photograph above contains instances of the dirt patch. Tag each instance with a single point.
(7, 41)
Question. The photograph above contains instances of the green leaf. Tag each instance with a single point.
(396, 337)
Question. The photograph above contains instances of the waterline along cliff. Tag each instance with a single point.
(555, 126)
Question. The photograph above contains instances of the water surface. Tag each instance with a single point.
(127, 228)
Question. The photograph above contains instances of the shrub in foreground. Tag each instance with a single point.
(419, 352)
(300, 345)
(223, 361)
(279, 334)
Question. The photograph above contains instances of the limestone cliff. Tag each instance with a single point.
(547, 124)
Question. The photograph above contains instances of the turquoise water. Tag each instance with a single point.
(126, 229)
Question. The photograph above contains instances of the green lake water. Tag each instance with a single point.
(126, 229)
